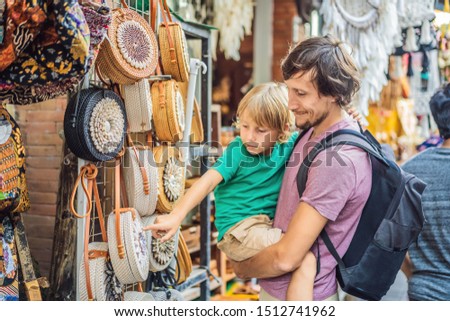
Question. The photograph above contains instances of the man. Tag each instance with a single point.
(321, 78)
(430, 255)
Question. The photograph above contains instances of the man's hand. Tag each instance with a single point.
(165, 226)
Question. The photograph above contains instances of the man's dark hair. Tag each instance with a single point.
(333, 70)
(440, 109)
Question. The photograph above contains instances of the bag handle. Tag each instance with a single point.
(89, 172)
(166, 16)
(141, 166)
(120, 246)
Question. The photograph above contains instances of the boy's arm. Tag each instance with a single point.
(169, 224)
(286, 255)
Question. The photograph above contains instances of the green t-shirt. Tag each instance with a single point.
(250, 185)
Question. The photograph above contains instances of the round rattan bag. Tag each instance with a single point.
(130, 52)
(132, 267)
(160, 253)
(95, 124)
(168, 111)
(141, 180)
(171, 175)
(138, 296)
(174, 51)
(105, 286)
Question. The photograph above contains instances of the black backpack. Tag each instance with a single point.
(390, 222)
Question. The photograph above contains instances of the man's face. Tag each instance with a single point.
(308, 107)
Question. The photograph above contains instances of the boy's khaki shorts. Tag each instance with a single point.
(248, 237)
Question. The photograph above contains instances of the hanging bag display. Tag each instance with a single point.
(13, 186)
(95, 124)
(141, 179)
(138, 104)
(171, 175)
(173, 46)
(126, 240)
(130, 52)
(160, 253)
(97, 280)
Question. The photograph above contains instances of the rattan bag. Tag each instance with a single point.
(171, 175)
(160, 253)
(138, 103)
(126, 240)
(173, 46)
(130, 52)
(168, 110)
(141, 179)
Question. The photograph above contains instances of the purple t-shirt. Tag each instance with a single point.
(338, 188)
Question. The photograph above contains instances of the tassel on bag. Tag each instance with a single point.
(446, 6)
(425, 33)
(410, 43)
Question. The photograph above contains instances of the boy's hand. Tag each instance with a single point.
(165, 226)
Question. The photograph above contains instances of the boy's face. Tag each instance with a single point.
(257, 140)
(308, 107)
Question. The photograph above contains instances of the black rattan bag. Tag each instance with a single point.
(95, 124)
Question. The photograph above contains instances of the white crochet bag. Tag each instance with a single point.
(138, 296)
(160, 253)
(126, 240)
(97, 280)
(141, 179)
(138, 104)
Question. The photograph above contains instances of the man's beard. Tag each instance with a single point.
(307, 125)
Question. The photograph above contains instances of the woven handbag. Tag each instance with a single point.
(97, 280)
(138, 103)
(126, 240)
(171, 175)
(160, 253)
(197, 134)
(95, 124)
(173, 46)
(138, 296)
(168, 111)
(141, 179)
(14, 196)
(130, 52)
(184, 266)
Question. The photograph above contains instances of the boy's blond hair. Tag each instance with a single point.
(267, 105)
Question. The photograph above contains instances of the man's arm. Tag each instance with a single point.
(286, 255)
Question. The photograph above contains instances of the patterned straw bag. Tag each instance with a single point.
(138, 103)
(171, 176)
(168, 111)
(130, 52)
(160, 253)
(95, 124)
(13, 186)
(173, 46)
(141, 179)
(97, 280)
(126, 240)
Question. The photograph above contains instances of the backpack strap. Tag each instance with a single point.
(337, 138)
